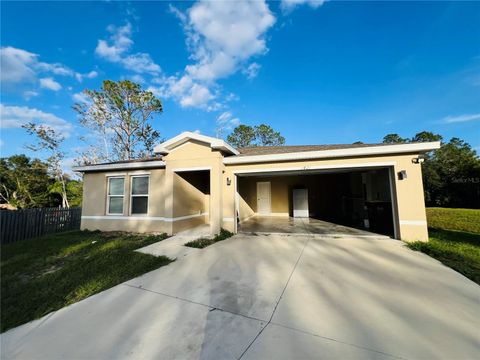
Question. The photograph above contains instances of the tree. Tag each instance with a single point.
(242, 136)
(119, 116)
(393, 139)
(24, 182)
(426, 136)
(259, 135)
(452, 176)
(50, 141)
(266, 136)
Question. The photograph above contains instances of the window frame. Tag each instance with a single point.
(118, 196)
(147, 195)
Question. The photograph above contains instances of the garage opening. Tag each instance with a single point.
(329, 200)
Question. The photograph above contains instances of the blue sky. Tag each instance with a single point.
(333, 72)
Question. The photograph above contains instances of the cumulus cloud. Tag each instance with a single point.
(461, 118)
(221, 37)
(16, 116)
(23, 67)
(288, 5)
(17, 65)
(117, 50)
(49, 83)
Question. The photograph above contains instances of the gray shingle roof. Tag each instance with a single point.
(267, 150)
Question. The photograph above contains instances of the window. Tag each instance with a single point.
(139, 196)
(115, 195)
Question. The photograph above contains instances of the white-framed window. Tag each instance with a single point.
(115, 195)
(139, 194)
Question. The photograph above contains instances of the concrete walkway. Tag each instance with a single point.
(174, 246)
(271, 297)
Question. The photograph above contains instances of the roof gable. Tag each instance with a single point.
(216, 144)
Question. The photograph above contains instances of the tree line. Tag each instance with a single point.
(451, 174)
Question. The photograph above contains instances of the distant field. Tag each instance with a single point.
(454, 240)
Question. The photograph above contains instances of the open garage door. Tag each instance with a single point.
(354, 198)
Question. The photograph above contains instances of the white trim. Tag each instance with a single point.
(200, 168)
(273, 214)
(322, 154)
(147, 195)
(218, 144)
(121, 166)
(413, 222)
(149, 218)
(393, 201)
(248, 218)
(315, 167)
(118, 196)
(228, 219)
(185, 217)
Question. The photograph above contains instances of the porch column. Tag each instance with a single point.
(168, 196)
(216, 204)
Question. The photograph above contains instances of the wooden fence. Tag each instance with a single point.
(26, 224)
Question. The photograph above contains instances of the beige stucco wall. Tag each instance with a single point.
(95, 202)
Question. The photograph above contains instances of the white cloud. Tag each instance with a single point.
(116, 50)
(49, 83)
(80, 97)
(27, 95)
(288, 5)
(226, 121)
(251, 71)
(461, 118)
(16, 116)
(137, 78)
(221, 37)
(23, 67)
(17, 65)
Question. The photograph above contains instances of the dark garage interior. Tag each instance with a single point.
(356, 198)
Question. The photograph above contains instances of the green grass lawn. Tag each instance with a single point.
(204, 242)
(459, 250)
(467, 220)
(45, 274)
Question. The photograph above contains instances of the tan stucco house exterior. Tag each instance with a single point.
(196, 179)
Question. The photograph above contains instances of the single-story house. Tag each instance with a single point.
(196, 179)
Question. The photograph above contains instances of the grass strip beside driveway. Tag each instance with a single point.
(45, 274)
(204, 242)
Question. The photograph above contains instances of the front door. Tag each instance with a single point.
(264, 198)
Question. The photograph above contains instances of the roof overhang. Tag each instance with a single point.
(217, 144)
(120, 166)
(337, 153)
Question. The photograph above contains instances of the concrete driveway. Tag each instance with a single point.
(271, 297)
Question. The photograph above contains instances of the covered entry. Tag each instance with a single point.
(322, 201)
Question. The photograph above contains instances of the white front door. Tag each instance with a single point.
(264, 197)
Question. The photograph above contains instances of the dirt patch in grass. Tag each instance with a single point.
(204, 242)
(45, 274)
